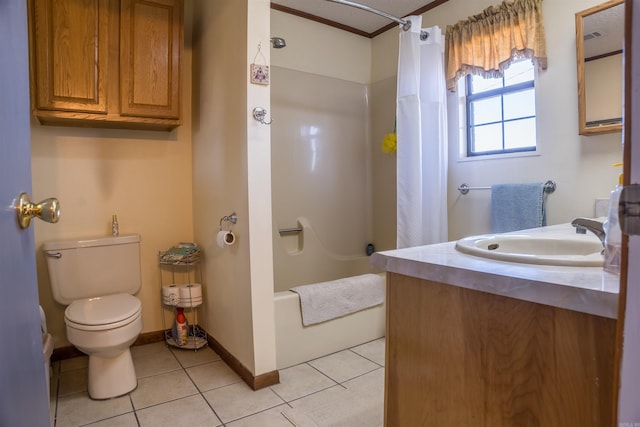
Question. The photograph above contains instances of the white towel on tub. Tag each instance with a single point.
(324, 301)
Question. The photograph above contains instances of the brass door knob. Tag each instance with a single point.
(47, 210)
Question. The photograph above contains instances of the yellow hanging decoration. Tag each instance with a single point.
(390, 143)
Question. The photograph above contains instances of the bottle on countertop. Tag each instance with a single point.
(115, 228)
(613, 234)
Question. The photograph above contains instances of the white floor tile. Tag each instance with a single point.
(212, 375)
(167, 392)
(72, 381)
(162, 388)
(78, 409)
(74, 363)
(371, 382)
(299, 418)
(149, 349)
(126, 420)
(189, 358)
(238, 401)
(325, 407)
(299, 381)
(275, 417)
(340, 407)
(154, 359)
(192, 411)
(373, 351)
(343, 366)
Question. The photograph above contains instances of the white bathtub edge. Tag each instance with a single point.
(296, 343)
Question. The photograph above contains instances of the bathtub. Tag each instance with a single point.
(296, 343)
(302, 258)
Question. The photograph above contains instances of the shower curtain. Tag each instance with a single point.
(421, 114)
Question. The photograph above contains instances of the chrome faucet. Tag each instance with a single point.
(584, 224)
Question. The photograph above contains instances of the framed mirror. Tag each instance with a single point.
(599, 41)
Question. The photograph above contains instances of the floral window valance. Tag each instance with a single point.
(487, 43)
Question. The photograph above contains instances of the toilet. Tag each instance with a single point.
(97, 279)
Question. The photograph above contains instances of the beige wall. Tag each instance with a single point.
(579, 165)
(142, 176)
(319, 49)
(259, 192)
(231, 174)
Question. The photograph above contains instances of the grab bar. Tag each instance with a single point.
(549, 187)
(290, 230)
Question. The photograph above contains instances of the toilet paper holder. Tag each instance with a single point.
(233, 218)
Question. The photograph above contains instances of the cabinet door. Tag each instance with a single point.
(69, 55)
(150, 58)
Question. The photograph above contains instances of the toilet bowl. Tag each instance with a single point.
(104, 328)
(96, 279)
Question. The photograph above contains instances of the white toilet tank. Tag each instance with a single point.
(93, 267)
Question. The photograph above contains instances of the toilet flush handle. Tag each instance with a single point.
(47, 210)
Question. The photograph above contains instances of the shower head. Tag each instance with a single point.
(278, 42)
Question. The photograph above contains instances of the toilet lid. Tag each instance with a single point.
(103, 310)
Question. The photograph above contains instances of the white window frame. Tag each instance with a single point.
(463, 156)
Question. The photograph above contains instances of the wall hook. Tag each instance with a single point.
(259, 114)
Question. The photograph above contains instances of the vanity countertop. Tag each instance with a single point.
(584, 289)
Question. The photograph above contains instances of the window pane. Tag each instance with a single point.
(488, 110)
(480, 84)
(520, 134)
(487, 138)
(504, 121)
(520, 104)
(518, 72)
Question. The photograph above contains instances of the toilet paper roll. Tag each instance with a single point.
(226, 238)
(170, 294)
(190, 303)
(190, 295)
(192, 291)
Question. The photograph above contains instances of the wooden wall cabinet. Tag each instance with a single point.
(106, 63)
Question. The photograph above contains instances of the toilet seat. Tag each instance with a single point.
(101, 313)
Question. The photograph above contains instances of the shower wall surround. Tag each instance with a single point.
(320, 152)
(320, 176)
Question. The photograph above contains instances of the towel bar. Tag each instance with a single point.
(549, 187)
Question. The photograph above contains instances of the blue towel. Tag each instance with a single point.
(517, 207)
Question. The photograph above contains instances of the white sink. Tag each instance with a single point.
(575, 250)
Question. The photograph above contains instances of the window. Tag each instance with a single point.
(501, 112)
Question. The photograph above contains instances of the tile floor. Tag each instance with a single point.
(185, 388)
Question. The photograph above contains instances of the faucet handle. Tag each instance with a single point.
(580, 229)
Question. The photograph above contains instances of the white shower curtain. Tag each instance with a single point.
(422, 138)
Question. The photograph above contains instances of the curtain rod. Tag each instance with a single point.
(406, 25)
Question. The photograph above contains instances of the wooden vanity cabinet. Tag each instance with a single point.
(106, 63)
(461, 357)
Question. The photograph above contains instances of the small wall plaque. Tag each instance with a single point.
(259, 74)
